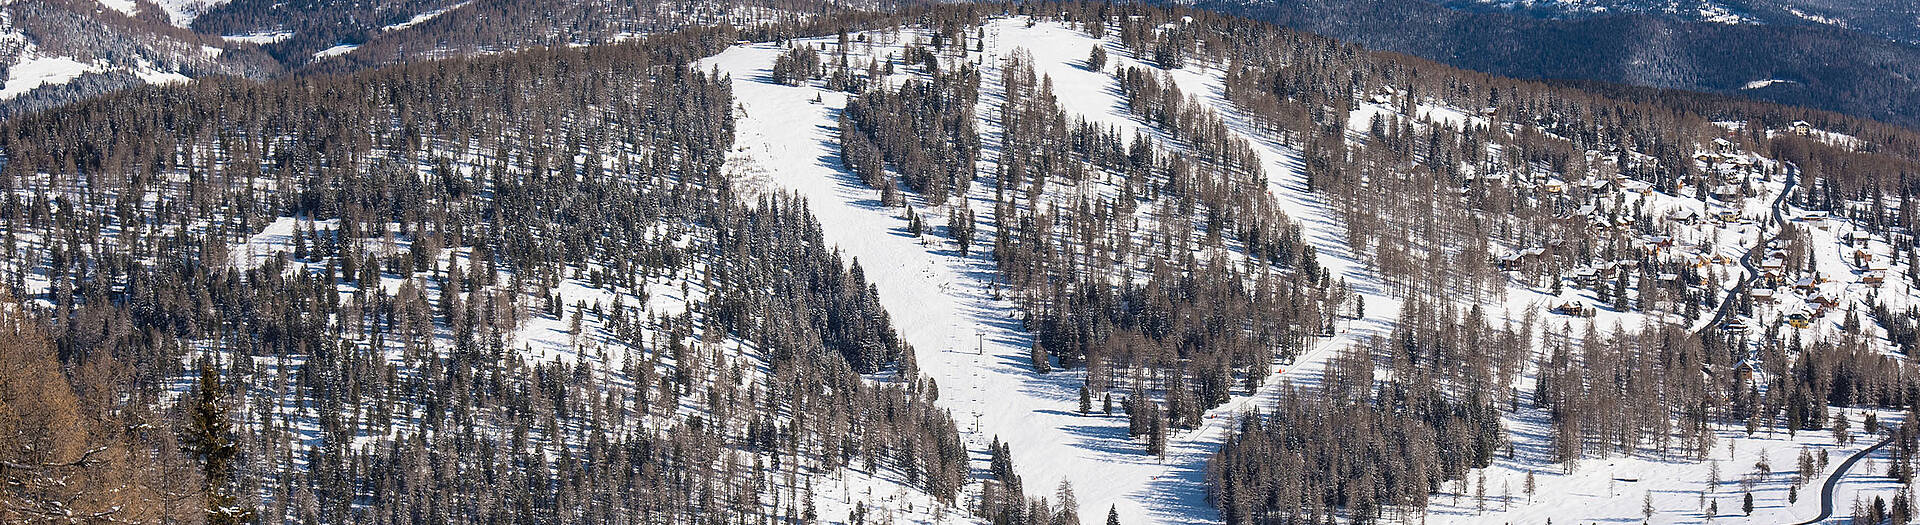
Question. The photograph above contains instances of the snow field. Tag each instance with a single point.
(35, 70)
(262, 37)
(425, 16)
(337, 50)
(1615, 489)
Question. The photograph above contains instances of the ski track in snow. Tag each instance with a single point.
(972, 345)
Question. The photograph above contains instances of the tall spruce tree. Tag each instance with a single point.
(209, 439)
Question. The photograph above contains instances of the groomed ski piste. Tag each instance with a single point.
(973, 346)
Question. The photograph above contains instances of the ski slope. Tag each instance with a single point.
(971, 344)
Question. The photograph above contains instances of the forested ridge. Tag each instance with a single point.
(1846, 69)
(368, 373)
(118, 51)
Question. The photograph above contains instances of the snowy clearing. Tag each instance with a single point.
(35, 71)
(423, 17)
(261, 38)
(182, 12)
(335, 51)
(123, 6)
(1757, 84)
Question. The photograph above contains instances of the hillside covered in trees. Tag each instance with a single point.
(982, 263)
(500, 288)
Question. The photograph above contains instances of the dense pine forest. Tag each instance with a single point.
(364, 375)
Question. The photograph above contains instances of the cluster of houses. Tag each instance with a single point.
(1772, 286)
(1734, 170)
(1873, 270)
(1774, 283)
(1733, 166)
(1598, 220)
(1726, 153)
(1518, 260)
(1720, 217)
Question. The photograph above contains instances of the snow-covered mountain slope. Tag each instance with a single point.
(392, 31)
(1639, 43)
(647, 358)
(976, 348)
(72, 50)
(972, 344)
(182, 12)
(57, 52)
(1700, 10)
(965, 339)
(1890, 19)
(583, 263)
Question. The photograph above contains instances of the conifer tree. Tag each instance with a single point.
(960, 226)
(1157, 437)
(209, 439)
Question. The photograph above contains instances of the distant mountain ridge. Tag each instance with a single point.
(1890, 19)
(57, 51)
(1818, 66)
(1851, 56)
(53, 52)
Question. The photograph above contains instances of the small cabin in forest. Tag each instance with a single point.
(1574, 308)
(1743, 370)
